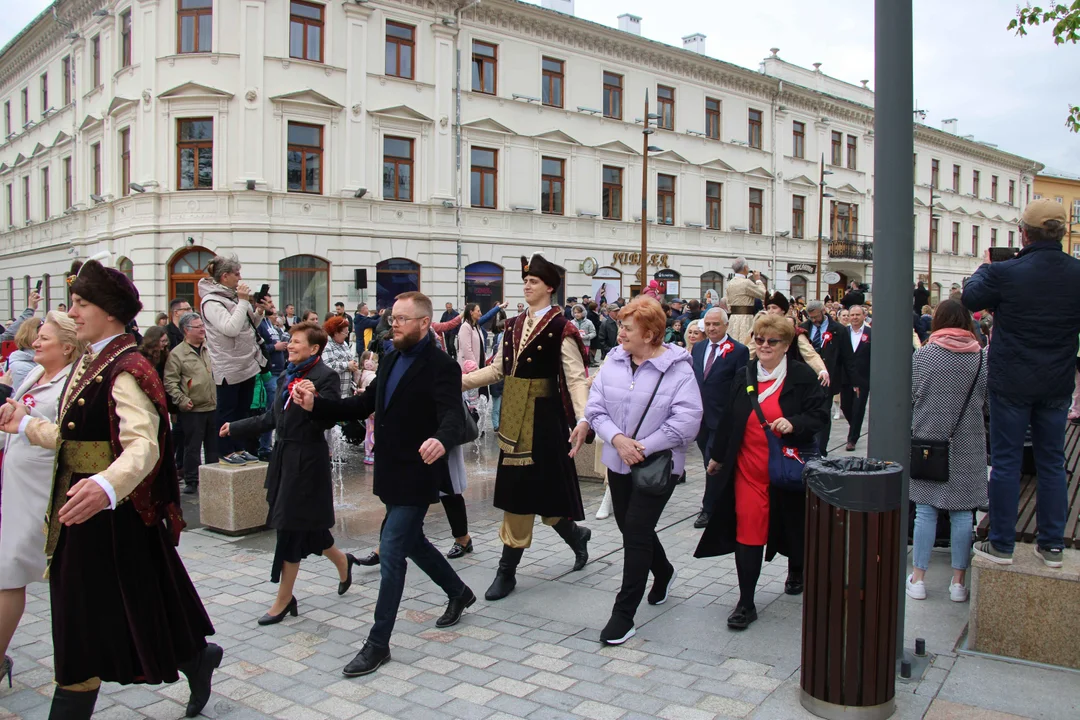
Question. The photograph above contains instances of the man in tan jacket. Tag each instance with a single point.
(741, 294)
(189, 381)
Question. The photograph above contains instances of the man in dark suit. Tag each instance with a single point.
(826, 335)
(855, 357)
(450, 336)
(717, 361)
(416, 398)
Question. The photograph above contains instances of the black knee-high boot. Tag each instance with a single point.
(506, 577)
(577, 538)
(72, 705)
(748, 560)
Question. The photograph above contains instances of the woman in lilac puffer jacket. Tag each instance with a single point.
(618, 399)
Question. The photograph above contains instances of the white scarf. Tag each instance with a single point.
(778, 374)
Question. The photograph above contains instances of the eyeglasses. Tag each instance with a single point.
(771, 342)
(401, 319)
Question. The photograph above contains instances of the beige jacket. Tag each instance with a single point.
(189, 377)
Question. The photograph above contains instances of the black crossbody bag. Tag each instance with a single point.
(930, 458)
(652, 476)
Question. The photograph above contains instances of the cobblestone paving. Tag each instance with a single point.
(533, 655)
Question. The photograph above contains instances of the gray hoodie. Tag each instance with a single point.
(230, 335)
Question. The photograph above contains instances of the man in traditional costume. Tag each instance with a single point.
(123, 607)
(542, 424)
(741, 294)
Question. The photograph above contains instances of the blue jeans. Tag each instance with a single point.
(266, 439)
(1009, 422)
(403, 537)
(496, 411)
(926, 531)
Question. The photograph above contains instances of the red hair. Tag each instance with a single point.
(335, 325)
(649, 315)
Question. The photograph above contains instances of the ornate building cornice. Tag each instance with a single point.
(970, 148)
(42, 37)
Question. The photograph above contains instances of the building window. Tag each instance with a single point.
(304, 281)
(933, 235)
(44, 92)
(754, 128)
(195, 154)
(95, 61)
(485, 59)
(397, 169)
(713, 205)
(837, 149)
(665, 199)
(714, 282)
(185, 272)
(195, 21)
(798, 139)
(612, 193)
(10, 215)
(1012, 195)
(613, 95)
(1076, 211)
(975, 240)
(65, 75)
(712, 118)
(485, 174)
(798, 286)
(305, 31)
(393, 277)
(798, 216)
(935, 174)
(975, 183)
(484, 284)
(125, 161)
(125, 39)
(69, 190)
(956, 238)
(956, 178)
(46, 191)
(1012, 233)
(95, 168)
(303, 158)
(25, 106)
(994, 187)
(400, 50)
(26, 197)
(665, 104)
(551, 186)
(552, 82)
(756, 213)
(852, 148)
(993, 237)
(844, 223)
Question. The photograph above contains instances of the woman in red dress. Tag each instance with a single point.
(750, 513)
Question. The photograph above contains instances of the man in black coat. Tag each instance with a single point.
(920, 296)
(854, 296)
(450, 335)
(827, 336)
(416, 398)
(608, 333)
(855, 357)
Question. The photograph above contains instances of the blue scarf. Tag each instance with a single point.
(292, 372)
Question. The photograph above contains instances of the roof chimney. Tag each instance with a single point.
(949, 125)
(630, 23)
(775, 52)
(694, 43)
(566, 7)
(817, 67)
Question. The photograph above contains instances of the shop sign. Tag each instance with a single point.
(634, 258)
(801, 268)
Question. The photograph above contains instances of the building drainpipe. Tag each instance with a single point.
(459, 284)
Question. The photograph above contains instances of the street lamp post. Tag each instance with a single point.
(820, 217)
(930, 249)
(645, 133)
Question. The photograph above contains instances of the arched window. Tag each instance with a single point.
(393, 277)
(304, 281)
(935, 294)
(185, 272)
(484, 284)
(125, 266)
(46, 292)
(798, 286)
(606, 285)
(714, 281)
(560, 294)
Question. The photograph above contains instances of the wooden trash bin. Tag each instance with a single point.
(851, 585)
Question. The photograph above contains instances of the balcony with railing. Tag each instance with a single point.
(847, 246)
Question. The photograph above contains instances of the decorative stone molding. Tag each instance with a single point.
(251, 95)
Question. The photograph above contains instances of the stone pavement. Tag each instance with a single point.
(533, 655)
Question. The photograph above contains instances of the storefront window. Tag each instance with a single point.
(393, 277)
(670, 283)
(484, 284)
(607, 285)
(798, 286)
(303, 281)
(714, 281)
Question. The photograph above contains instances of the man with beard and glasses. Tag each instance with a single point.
(416, 399)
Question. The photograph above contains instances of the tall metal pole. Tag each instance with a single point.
(645, 133)
(820, 210)
(894, 261)
(930, 248)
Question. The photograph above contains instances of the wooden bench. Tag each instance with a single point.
(1026, 520)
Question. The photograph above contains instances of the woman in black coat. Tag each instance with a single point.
(752, 515)
(299, 488)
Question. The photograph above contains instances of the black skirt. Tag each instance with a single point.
(295, 545)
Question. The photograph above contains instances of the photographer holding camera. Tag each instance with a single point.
(1032, 363)
(231, 314)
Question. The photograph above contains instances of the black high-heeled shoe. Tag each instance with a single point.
(344, 585)
(5, 669)
(290, 609)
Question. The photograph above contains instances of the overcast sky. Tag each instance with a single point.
(1006, 90)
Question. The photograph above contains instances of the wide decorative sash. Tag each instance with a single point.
(518, 415)
(74, 457)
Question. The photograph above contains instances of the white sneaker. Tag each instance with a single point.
(916, 590)
(957, 592)
(605, 506)
(836, 412)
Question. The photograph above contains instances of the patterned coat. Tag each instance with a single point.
(940, 380)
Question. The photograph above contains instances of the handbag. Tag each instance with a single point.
(471, 430)
(930, 458)
(653, 475)
(786, 462)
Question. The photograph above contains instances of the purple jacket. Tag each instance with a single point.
(618, 397)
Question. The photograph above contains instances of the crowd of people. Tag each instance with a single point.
(101, 425)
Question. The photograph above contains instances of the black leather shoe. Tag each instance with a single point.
(366, 661)
(455, 608)
(369, 560)
(459, 550)
(269, 619)
(344, 585)
(190, 488)
(72, 705)
(741, 617)
(201, 677)
(505, 579)
(794, 584)
(702, 520)
(617, 631)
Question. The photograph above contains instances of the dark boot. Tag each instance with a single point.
(71, 705)
(577, 538)
(505, 578)
(200, 674)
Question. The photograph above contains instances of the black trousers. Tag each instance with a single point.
(636, 515)
(200, 433)
(854, 408)
(233, 403)
(178, 441)
(454, 506)
(823, 436)
(712, 482)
